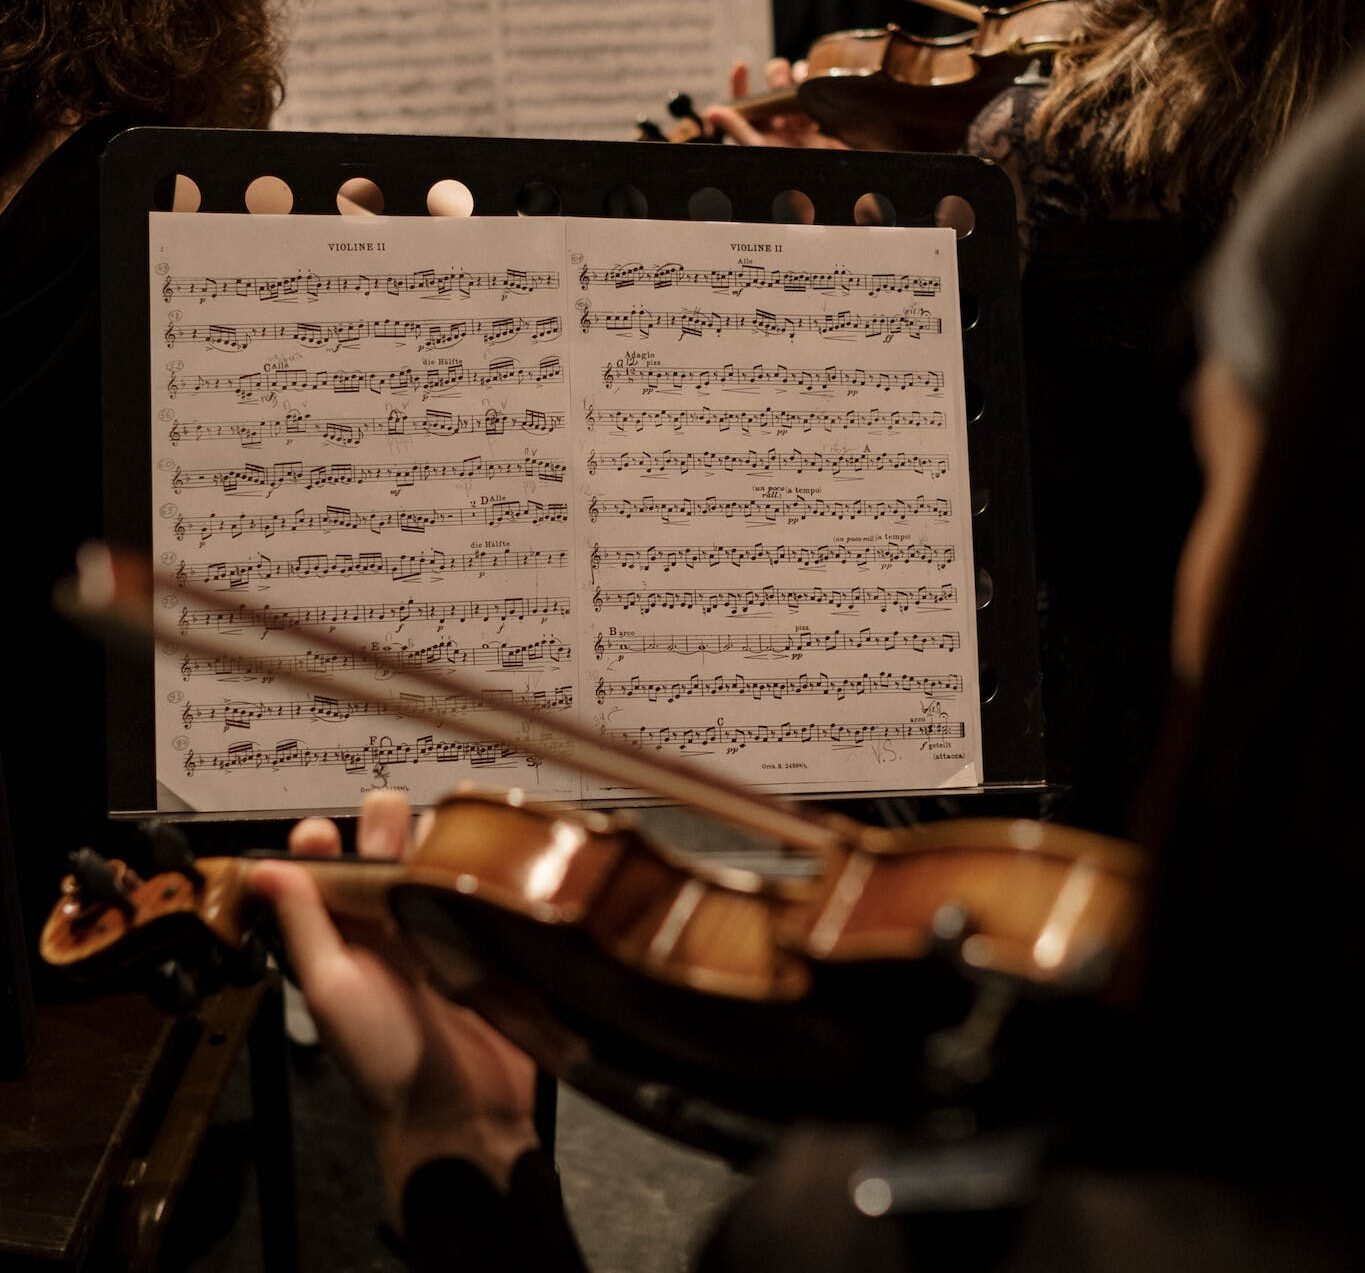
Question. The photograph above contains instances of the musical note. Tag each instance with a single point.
(432, 382)
(637, 368)
(398, 614)
(310, 286)
(742, 600)
(495, 654)
(424, 333)
(769, 461)
(412, 521)
(837, 687)
(351, 431)
(400, 566)
(804, 556)
(766, 420)
(841, 735)
(775, 643)
(756, 276)
(370, 757)
(269, 477)
(238, 714)
(695, 322)
(772, 510)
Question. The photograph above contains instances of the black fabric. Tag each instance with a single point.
(455, 1219)
(52, 726)
(1115, 486)
(1107, 352)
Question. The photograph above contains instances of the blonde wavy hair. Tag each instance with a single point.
(1177, 100)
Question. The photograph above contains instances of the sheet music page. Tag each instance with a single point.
(561, 68)
(359, 422)
(770, 447)
(701, 485)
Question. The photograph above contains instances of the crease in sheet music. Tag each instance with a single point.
(730, 520)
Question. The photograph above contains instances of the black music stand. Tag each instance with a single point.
(600, 179)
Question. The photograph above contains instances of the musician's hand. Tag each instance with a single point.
(795, 128)
(436, 1080)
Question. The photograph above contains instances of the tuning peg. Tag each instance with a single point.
(648, 130)
(693, 126)
(97, 881)
(248, 963)
(171, 850)
(173, 989)
(680, 107)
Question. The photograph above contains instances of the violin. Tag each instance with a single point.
(628, 969)
(889, 89)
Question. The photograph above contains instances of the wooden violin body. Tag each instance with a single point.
(603, 954)
(889, 89)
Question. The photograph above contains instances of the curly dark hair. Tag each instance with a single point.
(190, 62)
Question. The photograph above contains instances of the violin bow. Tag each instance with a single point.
(116, 589)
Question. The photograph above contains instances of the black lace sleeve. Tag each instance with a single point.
(1046, 190)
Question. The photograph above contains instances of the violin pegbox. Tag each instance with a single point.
(171, 850)
(185, 921)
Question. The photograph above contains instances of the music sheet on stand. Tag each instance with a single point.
(701, 486)
(504, 68)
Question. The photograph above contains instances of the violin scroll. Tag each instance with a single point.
(191, 924)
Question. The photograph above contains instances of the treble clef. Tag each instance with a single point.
(584, 316)
(582, 277)
(595, 560)
(592, 509)
(599, 646)
(597, 599)
(601, 691)
(592, 463)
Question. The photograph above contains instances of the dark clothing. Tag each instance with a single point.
(52, 742)
(799, 1216)
(1115, 483)
(454, 1219)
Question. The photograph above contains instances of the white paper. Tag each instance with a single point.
(565, 68)
(702, 486)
